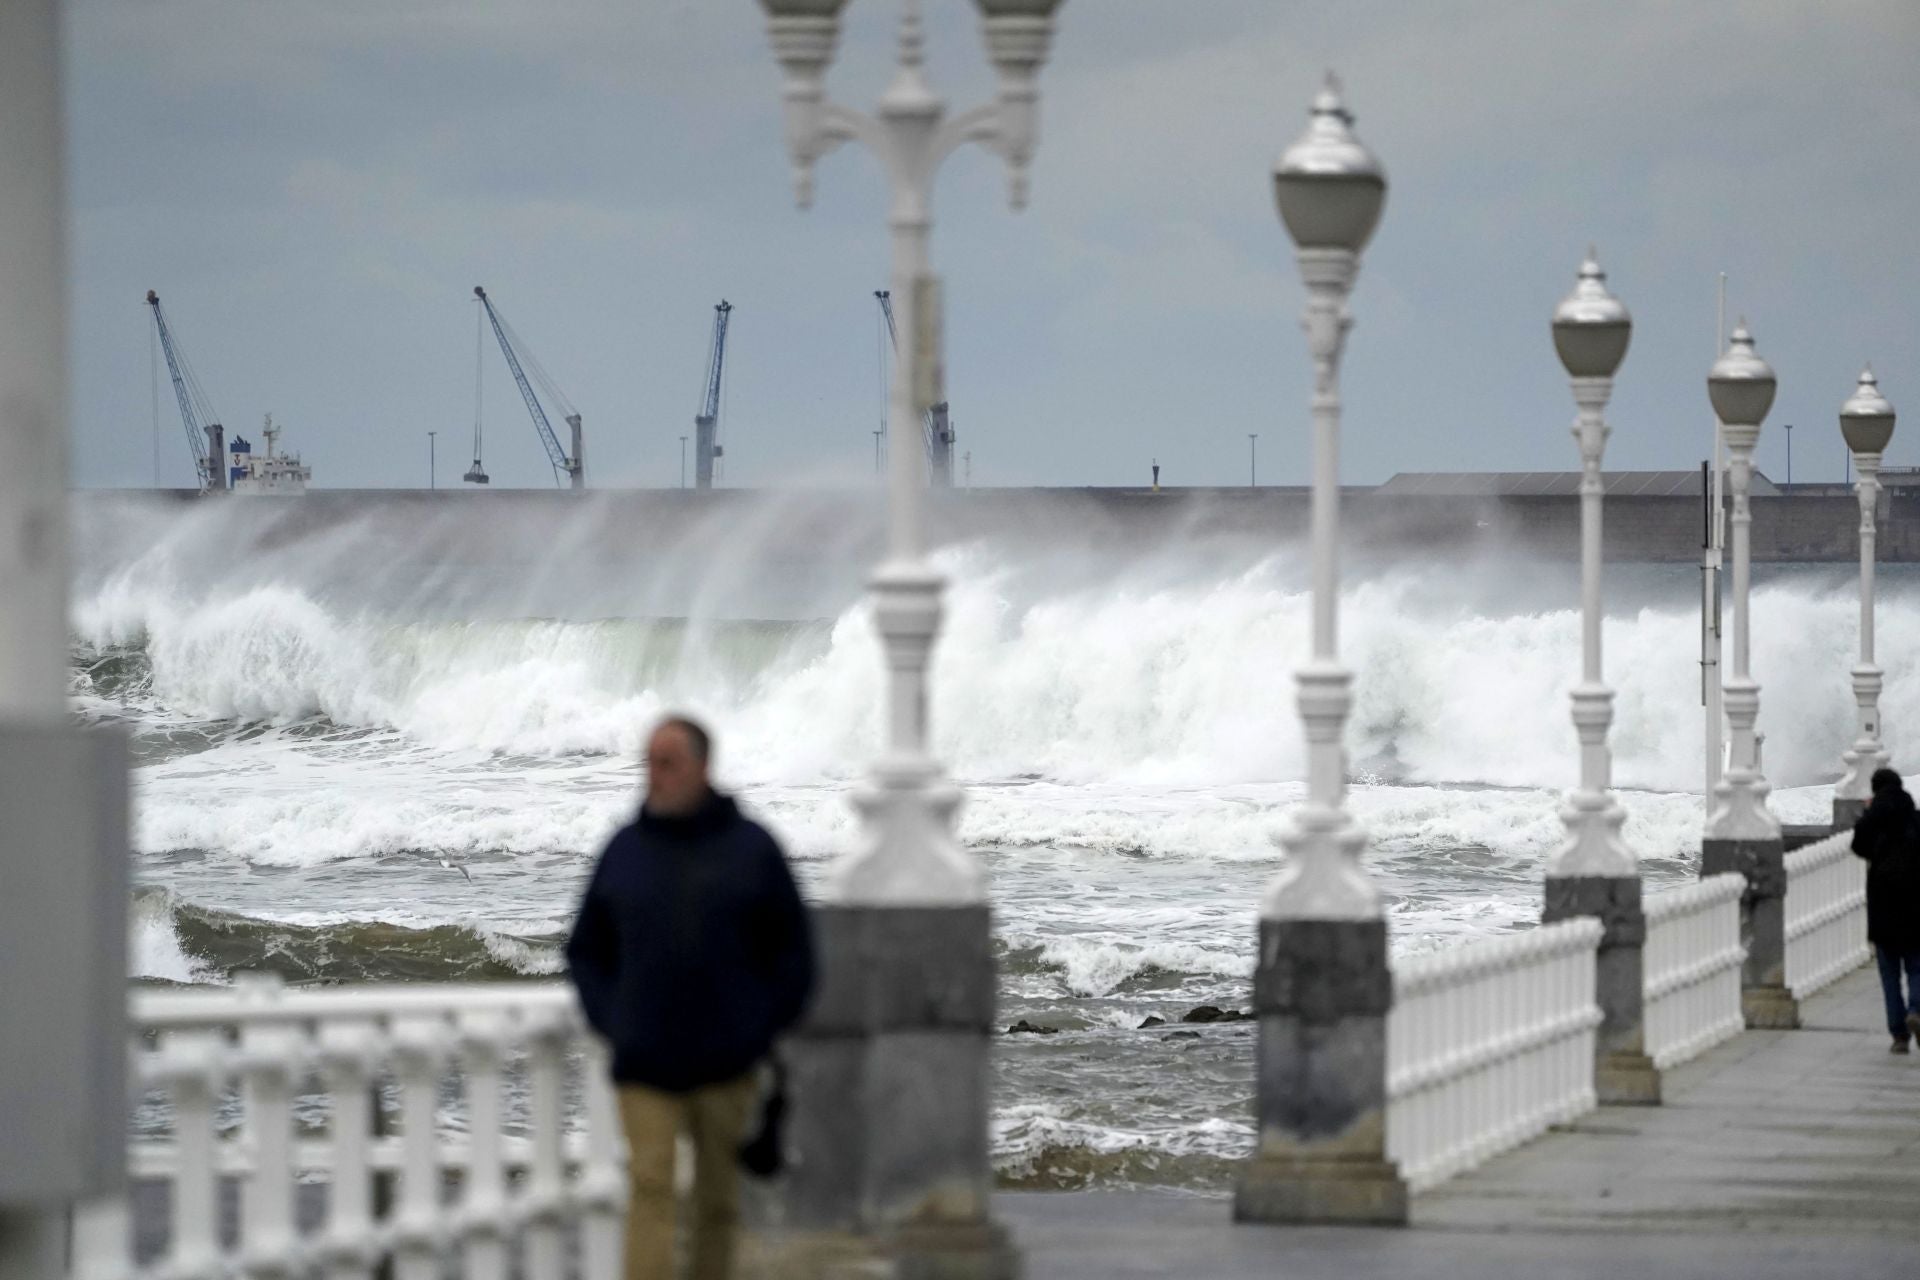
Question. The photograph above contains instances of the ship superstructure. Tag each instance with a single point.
(269, 472)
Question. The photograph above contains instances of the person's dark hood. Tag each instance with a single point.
(715, 812)
(1895, 801)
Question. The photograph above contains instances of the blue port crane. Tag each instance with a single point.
(706, 423)
(206, 438)
(935, 424)
(519, 360)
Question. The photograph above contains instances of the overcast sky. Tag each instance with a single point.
(315, 186)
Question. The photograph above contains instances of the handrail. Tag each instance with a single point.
(1488, 1045)
(1826, 910)
(233, 1080)
(1690, 969)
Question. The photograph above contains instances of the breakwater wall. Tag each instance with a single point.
(1644, 529)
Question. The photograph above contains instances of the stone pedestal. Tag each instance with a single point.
(890, 1170)
(1847, 812)
(1623, 1073)
(1763, 926)
(1321, 993)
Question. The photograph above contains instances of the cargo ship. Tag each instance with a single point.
(269, 472)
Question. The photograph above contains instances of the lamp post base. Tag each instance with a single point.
(1770, 1009)
(1763, 925)
(1358, 1191)
(1322, 992)
(889, 1103)
(1623, 1074)
(1626, 1078)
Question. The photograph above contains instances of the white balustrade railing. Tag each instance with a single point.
(1826, 914)
(507, 1140)
(1488, 1045)
(1691, 966)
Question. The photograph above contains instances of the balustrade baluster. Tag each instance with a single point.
(1431, 1130)
(270, 1059)
(546, 1194)
(192, 1064)
(418, 1052)
(485, 1217)
(1519, 1084)
(348, 1049)
(1531, 1015)
(602, 1187)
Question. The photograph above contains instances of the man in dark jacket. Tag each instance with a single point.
(1888, 837)
(691, 953)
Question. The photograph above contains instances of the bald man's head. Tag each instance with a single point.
(677, 756)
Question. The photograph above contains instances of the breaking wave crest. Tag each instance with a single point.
(1159, 685)
(184, 942)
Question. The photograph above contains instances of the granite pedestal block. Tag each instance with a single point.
(888, 1080)
(1321, 993)
(1763, 926)
(1623, 1074)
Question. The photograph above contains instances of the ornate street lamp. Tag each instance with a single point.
(906, 936)
(1742, 833)
(1866, 420)
(1594, 873)
(1321, 987)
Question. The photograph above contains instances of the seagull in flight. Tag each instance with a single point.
(450, 865)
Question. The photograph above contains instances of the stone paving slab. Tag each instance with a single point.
(1780, 1153)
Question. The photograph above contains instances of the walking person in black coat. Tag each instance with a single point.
(1888, 837)
(692, 952)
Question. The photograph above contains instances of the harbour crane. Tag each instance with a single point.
(706, 423)
(206, 438)
(935, 424)
(519, 361)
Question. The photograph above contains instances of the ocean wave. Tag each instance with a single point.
(187, 942)
(1118, 683)
(1037, 1147)
(1091, 966)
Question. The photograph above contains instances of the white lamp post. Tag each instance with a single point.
(1594, 873)
(912, 857)
(1742, 833)
(1866, 420)
(1321, 986)
(905, 940)
(1591, 330)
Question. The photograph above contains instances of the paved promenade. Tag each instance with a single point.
(1781, 1153)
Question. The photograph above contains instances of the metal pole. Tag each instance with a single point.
(878, 437)
(1712, 561)
(153, 382)
(433, 467)
(1253, 460)
(683, 462)
(1789, 427)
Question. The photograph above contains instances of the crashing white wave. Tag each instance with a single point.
(1168, 686)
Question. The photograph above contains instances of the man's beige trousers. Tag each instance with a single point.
(715, 1118)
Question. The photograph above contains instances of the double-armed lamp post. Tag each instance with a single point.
(1866, 421)
(1322, 988)
(895, 1051)
(1742, 833)
(1594, 873)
